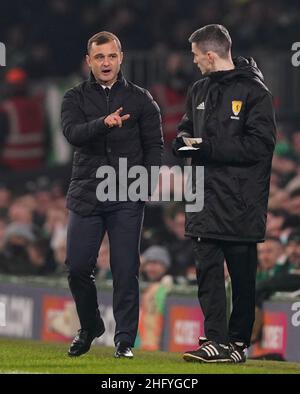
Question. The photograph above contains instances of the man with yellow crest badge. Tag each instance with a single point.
(230, 119)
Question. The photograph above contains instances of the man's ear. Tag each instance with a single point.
(211, 57)
(88, 60)
(122, 56)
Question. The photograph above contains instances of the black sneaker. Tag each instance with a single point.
(209, 352)
(123, 350)
(238, 352)
(82, 342)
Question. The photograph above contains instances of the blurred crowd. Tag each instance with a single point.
(48, 38)
(33, 227)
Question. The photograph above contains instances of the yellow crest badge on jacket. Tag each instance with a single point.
(236, 107)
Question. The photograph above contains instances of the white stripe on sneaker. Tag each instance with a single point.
(211, 349)
(240, 357)
(233, 356)
(207, 351)
(236, 356)
(216, 352)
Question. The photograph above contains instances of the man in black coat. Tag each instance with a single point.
(231, 110)
(107, 118)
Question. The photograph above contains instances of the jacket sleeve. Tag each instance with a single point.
(186, 127)
(151, 132)
(259, 137)
(77, 131)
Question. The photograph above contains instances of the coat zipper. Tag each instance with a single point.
(107, 102)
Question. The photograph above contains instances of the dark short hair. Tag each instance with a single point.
(214, 38)
(103, 37)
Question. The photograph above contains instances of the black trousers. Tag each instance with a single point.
(123, 222)
(241, 260)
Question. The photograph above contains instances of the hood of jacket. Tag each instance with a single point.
(244, 68)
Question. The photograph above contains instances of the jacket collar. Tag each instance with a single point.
(244, 68)
(120, 80)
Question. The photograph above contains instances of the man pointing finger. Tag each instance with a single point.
(115, 119)
(91, 122)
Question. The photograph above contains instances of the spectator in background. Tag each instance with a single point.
(14, 258)
(44, 201)
(190, 276)
(169, 232)
(20, 213)
(41, 257)
(292, 206)
(285, 166)
(287, 280)
(55, 221)
(24, 252)
(155, 263)
(283, 145)
(23, 132)
(271, 260)
(279, 197)
(179, 246)
(170, 95)
(275, 222)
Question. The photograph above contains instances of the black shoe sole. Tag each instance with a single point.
(238, 362)
(127, 357)
(191, 358)
(78, 354)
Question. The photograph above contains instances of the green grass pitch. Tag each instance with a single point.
(24, 356)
